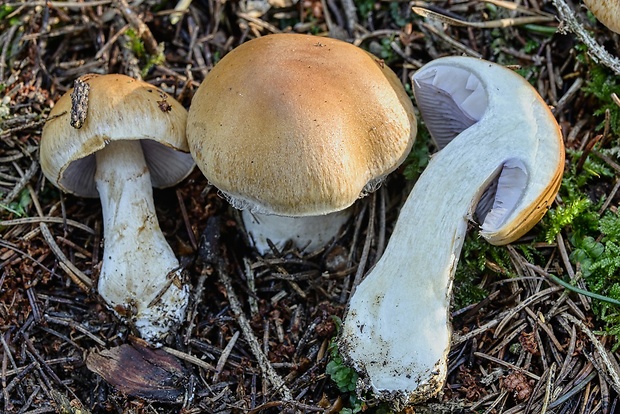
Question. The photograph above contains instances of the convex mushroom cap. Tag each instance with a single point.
(114, 137)
(501, 146)
(119, 108)
(607, 12)
(299, 126)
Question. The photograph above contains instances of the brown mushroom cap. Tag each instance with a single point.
(607, 12)
(119, 108)
(299, 125)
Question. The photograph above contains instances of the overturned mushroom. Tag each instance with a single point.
(118, 139)
(293, 129)
(607, 12)
(498, 136)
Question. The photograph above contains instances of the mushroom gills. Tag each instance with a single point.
(502, 196)
(165, 164)
(451, 100)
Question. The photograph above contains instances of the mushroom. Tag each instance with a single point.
(607, 12)
(497, 136)
(293, 129)
(115, 137)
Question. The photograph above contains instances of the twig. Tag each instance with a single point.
(501, 23)
(224, 356)
(78, 277)
(596, 51)
(55, 220)
(608, 362)
(268, 371)
(22, 183)
(370, 234)
(150, 44)
(507, 364)
(189, 358)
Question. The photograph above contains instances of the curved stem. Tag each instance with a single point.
(397, 330)
(140, 276)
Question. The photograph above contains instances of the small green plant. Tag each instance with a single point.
(19, 208)
(365, 7)
(343, 376)
(5, 11)
(137, 47)
(601, 85)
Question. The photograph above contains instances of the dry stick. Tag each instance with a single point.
(224, 356)
(188, 225)
(9, 36)
(608, 361)
(76, 275)
(268, 371)
(574, 278)
(370, 234)
(73, 324)
(54, 220)
(150, 44)
(450, 41)
(259, 22)
(189, 358)
(570, 94)
(21, 252)
(507, 364)
(515, 7)
(23, 181)
(596, 51)
(548, 388)
(528, 301)
(501, 23)
(609, 198)
(61, 4)
(350, 12)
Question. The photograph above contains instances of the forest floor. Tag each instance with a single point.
(522, 343)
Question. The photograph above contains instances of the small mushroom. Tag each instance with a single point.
(607, 12)
(130, 137)
(293, 129)
(499, 137)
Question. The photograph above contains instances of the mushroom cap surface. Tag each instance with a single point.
(607, 12)
(299, 125)
(118, 108)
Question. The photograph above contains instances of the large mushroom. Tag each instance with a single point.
(115, 137)
(499, 139)
(293, 129)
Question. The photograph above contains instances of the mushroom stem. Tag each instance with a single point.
(308, 233)
(397, 330)
(140, 277)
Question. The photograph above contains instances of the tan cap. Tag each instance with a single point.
(118, 108)
(299, 125)
(607, 12)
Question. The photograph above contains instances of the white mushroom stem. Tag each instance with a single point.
(140, 277)
(397, 331)
(308, 233)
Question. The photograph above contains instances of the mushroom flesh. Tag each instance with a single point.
(500, 143)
